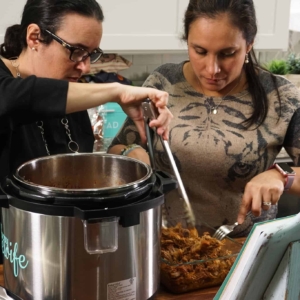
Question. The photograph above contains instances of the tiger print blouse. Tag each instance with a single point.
(215, 154)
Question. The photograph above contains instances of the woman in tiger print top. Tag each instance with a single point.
(231, 119)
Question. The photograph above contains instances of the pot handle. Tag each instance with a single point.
(4, 201)
(3, 197)
(8, 184)
(166, 182)
(141, 190)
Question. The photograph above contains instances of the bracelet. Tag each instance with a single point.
(125, 151)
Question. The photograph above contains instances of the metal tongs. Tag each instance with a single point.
(150, 113)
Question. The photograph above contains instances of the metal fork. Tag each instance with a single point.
(224, 230)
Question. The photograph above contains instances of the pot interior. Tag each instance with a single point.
(83, 171)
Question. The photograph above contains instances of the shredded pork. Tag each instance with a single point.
(191, 261)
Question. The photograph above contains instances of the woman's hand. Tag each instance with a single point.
(82, 96)
(138, 153)
(130, 101)
(262, 189)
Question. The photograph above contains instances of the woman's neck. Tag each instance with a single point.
(17, 66)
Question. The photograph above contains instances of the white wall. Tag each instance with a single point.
(10, 14)
(144, 64)
(295, 15)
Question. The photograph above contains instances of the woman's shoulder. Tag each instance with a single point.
(288, 92)
(169, 72)
(171, 69)
(282, 83)
(171, 66)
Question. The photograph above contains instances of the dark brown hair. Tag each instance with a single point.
(47, 14)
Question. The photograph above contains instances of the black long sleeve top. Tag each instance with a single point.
(24, 102)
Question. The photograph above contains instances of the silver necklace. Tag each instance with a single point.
(72, 145)
(214, 109)
(13, 62)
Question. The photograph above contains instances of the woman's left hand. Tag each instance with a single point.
(261, 192)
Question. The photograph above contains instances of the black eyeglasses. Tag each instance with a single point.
(78, 54)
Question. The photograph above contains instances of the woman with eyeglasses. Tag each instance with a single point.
(42, 107)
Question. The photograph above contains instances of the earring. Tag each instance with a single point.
(246, 58)
(33, 48)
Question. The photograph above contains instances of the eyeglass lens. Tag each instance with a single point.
(80, 54)
(95, 56)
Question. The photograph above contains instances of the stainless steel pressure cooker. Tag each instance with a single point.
(83, 227)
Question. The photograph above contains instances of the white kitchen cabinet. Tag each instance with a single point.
(143, 26)
(273, 24)
(10, 14)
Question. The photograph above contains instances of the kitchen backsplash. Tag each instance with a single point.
(144, 64)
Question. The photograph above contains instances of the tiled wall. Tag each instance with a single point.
(144, 64)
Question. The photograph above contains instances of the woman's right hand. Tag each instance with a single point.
(82, 96)
(130, 101)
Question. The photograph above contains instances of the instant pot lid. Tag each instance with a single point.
(126, 206)
(83, 174)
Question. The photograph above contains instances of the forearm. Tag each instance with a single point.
(93, 95)
(82, 96)
(137, 153)
(116, 149)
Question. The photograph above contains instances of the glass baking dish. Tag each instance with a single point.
(191, 259)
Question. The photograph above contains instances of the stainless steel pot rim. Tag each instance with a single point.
(49, 190)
